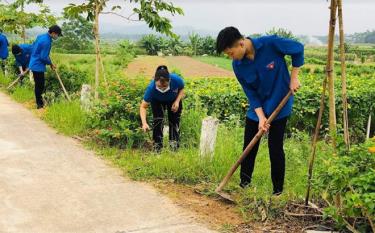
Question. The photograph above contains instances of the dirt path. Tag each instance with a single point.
(49, 183)
(189, 67)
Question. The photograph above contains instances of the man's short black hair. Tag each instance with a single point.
(226, 38)
(56, 29)
(162, 72)
(16, 49)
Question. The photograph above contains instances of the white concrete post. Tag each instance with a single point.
(208, 136)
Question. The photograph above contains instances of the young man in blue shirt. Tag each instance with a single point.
(164, 93)
(22, 54)
(4, 53)
(261, 69)
(40, 58)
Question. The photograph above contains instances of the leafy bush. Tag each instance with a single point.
(125, 53)
(72, 78)
(151, 43)
(115, 120)
(350, 176)
(78, 36)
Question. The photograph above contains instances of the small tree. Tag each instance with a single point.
(194, 42)
(78, 34)
(175, 46)
(14, 19)
(152, 44)
(282, 32)
(125, 52)
(208, 45)
(146, 10)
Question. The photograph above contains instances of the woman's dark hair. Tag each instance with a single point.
(162, 73)
(226, 38)
(16, 49)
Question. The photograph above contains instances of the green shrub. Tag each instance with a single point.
(115, 119)
(351, 176)
(72, 78)
(125, 53)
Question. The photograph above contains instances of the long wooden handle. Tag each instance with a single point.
(14, 82)
(253, 142)
(62, 85)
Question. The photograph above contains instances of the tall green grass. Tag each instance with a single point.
(22, 94)
(67, 117)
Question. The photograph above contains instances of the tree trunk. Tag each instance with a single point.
(102, 66)
(330, 77)
(97, 50)
(343, 76)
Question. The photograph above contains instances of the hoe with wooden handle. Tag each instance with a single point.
(219, 189)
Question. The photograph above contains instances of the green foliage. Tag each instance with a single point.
(351, 175)
(282, 32)
(208, 45)
(224, 97)
(22, 94)
(66, 117)
(194, 42)
(202, 45)
(14, 19)
(115, 120)
(152, 44)
(72, 78)
(78, 36)
(196, 46)
(146, 10)
(173, 46)
(125, 53)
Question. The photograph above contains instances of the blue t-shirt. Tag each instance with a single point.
(24, 58)
(265, 80)
(40, 54)
(4, 53)
(176, 84)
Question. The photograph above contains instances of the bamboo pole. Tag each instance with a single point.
(329, 70)
(315, 139)
(343, 76)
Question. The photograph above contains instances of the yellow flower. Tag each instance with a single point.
(371, 149)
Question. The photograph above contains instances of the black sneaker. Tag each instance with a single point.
(39, 107)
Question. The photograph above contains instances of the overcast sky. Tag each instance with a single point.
(309, 17)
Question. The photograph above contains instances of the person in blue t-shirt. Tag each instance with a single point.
(164, 93)
(260, 68)
(4, 53)
(40, 58)
(22, 54)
